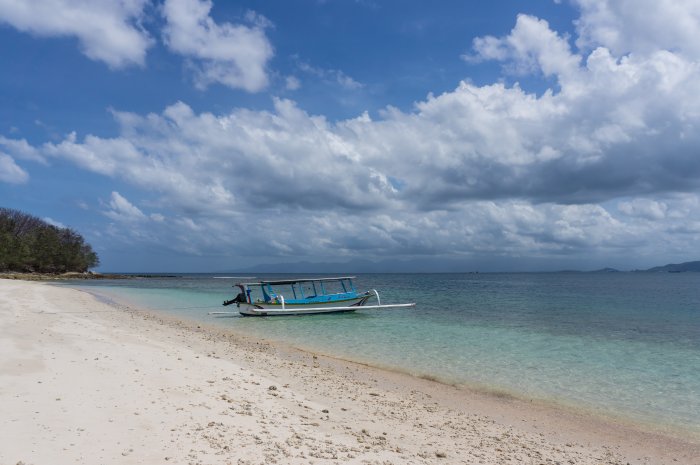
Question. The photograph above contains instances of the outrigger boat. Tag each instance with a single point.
(304, 297)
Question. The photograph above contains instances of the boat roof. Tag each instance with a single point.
(296, 281)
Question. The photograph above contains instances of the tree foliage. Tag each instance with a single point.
(29, 244)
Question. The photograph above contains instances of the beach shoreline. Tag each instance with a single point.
(73, 276)
(207, 395)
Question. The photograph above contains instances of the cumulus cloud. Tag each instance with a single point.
(120, 209)
(20, 148)
(640, 26)
(235, 55)
(594, 164)
(644, 208)
(295, 159)
(10, 172)
(434, 180)
(530, 47)
(107, 30)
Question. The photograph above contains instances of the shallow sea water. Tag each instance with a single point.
(621, 344)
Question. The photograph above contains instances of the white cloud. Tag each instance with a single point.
(20, 148)
(120, 209)
(53, 222)
(640, 26)
(292, 83)
(331, 76)
(104, 156)
(347, 82)
(644, 208)
(531, 46)
(10, 172)
(108, 30)
(234, 55)
(606, 162)
(432, 181)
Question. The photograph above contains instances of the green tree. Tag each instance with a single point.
(29, 244)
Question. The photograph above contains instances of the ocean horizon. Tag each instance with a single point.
(623, 345)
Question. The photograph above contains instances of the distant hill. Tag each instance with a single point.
(676, 268)
(424, 265)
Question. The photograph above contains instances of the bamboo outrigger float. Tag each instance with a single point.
(306, 297)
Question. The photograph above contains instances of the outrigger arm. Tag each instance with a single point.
(356, 307)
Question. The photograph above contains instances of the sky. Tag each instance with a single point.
(200, 135)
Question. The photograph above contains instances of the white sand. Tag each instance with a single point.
(83, 382)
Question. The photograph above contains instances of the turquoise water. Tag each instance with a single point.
(622, 344)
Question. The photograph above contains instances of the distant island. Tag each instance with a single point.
(670, 268)
(31, 245)
(425, 266)
(676, 268)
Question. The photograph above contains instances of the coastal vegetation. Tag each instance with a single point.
(30, 244)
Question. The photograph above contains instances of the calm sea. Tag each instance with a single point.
(621, 344)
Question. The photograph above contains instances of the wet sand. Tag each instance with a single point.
(82, 381)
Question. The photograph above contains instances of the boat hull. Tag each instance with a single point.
(268, 309)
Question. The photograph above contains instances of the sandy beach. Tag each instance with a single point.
(87, 382)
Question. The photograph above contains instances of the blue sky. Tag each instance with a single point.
(191, 135)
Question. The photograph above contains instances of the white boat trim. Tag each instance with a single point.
(312, 310)
(283, 304)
